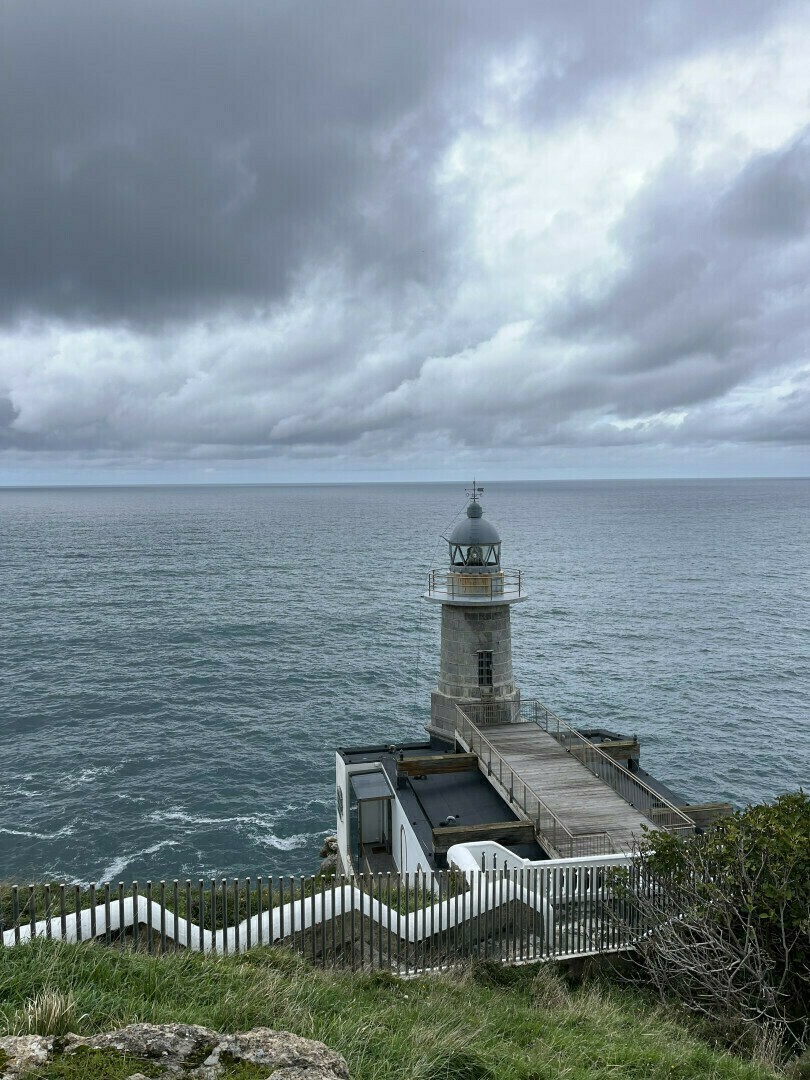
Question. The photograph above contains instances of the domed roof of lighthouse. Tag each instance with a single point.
(474, 529)
(475, 542)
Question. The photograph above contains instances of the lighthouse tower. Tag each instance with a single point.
(475, 594)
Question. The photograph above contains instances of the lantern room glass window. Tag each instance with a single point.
(475, 554)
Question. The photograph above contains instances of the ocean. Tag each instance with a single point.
(178, 664)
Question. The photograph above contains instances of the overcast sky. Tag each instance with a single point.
(274, 240)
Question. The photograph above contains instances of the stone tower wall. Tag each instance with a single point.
(465, 632)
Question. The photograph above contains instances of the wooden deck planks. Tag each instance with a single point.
(583, 802)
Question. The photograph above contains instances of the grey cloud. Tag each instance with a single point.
(204, 174)
(163, 159)
(703, 303)
(771, 198)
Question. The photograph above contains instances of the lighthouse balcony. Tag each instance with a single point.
(471, 587)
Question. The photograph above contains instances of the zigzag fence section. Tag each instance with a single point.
(510, 915)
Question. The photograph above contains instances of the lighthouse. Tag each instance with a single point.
(476, 594)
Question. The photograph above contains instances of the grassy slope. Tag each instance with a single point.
(486, 1023)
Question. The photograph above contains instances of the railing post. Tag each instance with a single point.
(213, 893)
(248, 928)
(78, 894)
(259, 916)
(149, 935)
(224, 890)
(236, 914)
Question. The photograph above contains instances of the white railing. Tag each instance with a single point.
(510, 911)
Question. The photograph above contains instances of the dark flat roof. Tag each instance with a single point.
(430, 800)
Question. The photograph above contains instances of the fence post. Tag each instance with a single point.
(260, 923)
(379, 921)
(332, 897)
(213, 896)
(176, 902)
(224, 888)
(390, 924)
(188, 914)
(271, 937)
(48, 927)
(248, 928)
(236, 942)
(312, 915)
(136, 930)
(362, 928)
(201, 904)
(351, 921)
(323, 919)
(303, 917)
(149, 936)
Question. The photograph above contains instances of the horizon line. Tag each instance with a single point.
(385, 483)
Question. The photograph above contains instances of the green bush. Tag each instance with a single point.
(729, 919)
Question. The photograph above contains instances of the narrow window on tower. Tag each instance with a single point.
(485, 669)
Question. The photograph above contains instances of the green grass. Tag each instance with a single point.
(486, 1023)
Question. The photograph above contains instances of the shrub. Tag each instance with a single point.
(728, 920)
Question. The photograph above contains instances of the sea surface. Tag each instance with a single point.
(178, 664)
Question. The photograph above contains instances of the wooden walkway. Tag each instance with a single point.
(583, 802)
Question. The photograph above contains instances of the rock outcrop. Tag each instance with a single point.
(183, 1050)
(23, 1053)
(331, 857)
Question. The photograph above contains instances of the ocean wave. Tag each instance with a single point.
(86, 775)
(183, 817)
(30, 834)
(258, 828)
(287, 843)
(111, 872)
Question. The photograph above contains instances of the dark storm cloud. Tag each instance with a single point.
(272, 231)
(163, 158)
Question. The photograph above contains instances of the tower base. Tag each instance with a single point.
(502, 709)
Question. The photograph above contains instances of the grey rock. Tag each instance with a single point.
(330, 846)
(329, 866)
(296, 1073)
(281, 1050)
(186, 1050)
(170, 1045)
(25, 1053)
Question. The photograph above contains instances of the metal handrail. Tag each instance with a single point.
(465, 583)
(652, 803)
(543, 817)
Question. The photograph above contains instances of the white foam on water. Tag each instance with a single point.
(30, 834)
(87, 775)
(113, 871)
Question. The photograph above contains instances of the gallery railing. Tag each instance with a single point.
(444, 584)
(378, 921)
